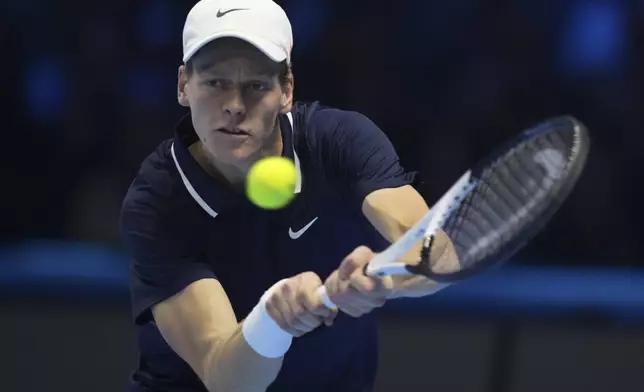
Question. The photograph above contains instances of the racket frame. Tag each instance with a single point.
(386, 263)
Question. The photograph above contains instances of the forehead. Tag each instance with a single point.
(229, 54)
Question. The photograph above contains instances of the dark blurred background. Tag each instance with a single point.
(89, 89)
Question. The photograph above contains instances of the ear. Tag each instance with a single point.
(287, 94)
(182, 85)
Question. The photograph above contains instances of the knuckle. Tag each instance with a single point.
(351, 261)
(361, 283)
(286, 288)
(290, 320)
(299, 313)
(311, 278)
(272, 302)
(363, 251)
(270, 308)
(302, 297)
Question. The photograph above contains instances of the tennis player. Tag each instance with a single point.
(223, 292)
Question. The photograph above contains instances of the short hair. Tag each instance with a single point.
(284, 68)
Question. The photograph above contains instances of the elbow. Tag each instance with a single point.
(222, 372)
(210, 370)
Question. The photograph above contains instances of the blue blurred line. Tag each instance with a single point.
(42, 268)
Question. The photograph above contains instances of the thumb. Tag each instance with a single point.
(354, 262)
(347, 268)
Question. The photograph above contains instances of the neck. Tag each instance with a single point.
(234, 174)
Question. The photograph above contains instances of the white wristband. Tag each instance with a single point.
(262, 332)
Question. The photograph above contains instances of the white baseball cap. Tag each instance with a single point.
(262, 23)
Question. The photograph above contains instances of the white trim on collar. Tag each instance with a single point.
(298, 184)
(193, 192)
(190, 188)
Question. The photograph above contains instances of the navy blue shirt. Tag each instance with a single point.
(181, 225)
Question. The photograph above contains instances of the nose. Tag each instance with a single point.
(234, 106)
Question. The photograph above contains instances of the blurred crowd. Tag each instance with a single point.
(89, 89)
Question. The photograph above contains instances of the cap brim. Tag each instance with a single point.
(273, 51)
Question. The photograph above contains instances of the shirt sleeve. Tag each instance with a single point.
(363, 159)
(164, 259)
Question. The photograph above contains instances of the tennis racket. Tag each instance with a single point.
(496, 207)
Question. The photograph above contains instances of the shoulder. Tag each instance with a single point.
(156, 197)
(349, 149)
(315, 120)
(155, 179)
(327, 131)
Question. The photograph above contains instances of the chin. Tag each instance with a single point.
(236, 155)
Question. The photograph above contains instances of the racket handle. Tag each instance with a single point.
(321, 292)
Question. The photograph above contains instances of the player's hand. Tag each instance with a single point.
(351, 290)
(296, 307)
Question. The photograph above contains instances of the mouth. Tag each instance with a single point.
(233, 132)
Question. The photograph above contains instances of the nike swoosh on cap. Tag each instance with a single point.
(221, 13)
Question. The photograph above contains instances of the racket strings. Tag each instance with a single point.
(511, 195)
(508, 196)
(466, 227)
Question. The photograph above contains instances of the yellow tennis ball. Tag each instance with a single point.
(270, 183)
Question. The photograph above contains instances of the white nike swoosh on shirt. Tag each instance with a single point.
(297, 234)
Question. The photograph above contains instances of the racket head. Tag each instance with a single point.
(516, 191)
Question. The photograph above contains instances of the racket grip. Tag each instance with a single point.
(321, 292)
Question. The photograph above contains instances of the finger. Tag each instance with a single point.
(292, 311)
(304, 320)
(310, 321)
(328, 321)
(309, 280)
(352, 310)
(278, 312)
(348, 267)
(372, 285)
(308, 294)
(305, 323)
(362, 283)
(360, 301)
(357, 308)
(332, 284)
(356, 260)
(313, 304)
(296, 314)
(349, 296)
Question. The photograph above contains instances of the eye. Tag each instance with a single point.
(259, 86)
(216, 83)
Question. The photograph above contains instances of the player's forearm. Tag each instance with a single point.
(393, 212)
(233, 365)
(408, 286)
(416, 285)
